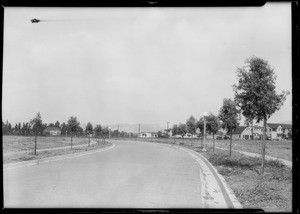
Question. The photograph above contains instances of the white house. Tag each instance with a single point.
(189, 135)
(246, 133)
(147, 134)
(52, 130)
(278, 131)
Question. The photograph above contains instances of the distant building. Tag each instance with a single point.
(189, 135)
(247, 133)
(52, 130)
(148, 134)
(277, 130)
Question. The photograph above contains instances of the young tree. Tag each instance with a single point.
(105, 131)
(37, 123)
(182, 129)
(98, 131)
(191, 125)
(73, 126)
(89, 130)
(175, 129)
(230, 117)
(57, 124)
(255, 93)
(213, 126)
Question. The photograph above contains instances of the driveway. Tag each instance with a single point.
(131, 175)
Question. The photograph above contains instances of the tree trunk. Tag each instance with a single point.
(89, 140)
(71, 139)
(213, 142)
(230, 143)
(263, 147)
(35, 143)
(252, 130)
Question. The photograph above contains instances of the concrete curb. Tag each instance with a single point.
(52, 159)
(228, 194)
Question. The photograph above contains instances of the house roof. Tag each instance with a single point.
(273, 125)
(239, 130)
(286, 126)
(52, 128)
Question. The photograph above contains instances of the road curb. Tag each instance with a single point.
(52, 159)
(228, 194)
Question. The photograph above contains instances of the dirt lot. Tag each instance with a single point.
(279, 149)
(23, 143)
(15, 146)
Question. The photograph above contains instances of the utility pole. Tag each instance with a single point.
(168, 129)
(139, 128)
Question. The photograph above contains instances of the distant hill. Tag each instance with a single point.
(286, 122)
(134, 127)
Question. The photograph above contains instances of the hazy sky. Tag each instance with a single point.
(137, 65)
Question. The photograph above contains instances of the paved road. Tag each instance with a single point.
(132, 174)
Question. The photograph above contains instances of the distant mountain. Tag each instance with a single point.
(134, 127)
(287, 122)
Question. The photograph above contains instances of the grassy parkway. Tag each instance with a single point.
(130, 175)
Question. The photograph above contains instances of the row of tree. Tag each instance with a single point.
(26, 129)
(254, 97)
(36, 128)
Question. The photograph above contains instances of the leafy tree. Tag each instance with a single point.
(57, 124)
(200, 124)
(213, 125)
(63, 128)
(98, 131)
(19, 128)
(182, 129)
(73, 124)
(175, 129)
(37, 123)
(255, 93)
(230, 117)
(80, 131)
(191, 125)
(89, 130)
(105, 131)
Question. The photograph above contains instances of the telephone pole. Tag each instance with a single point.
(139, 129)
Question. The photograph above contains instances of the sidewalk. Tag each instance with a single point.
(49, 149)
(285, 162)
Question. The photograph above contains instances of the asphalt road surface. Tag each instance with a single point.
(131, 175)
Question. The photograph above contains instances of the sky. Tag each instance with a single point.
(137, 65)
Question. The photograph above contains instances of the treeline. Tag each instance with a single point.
(27, 129)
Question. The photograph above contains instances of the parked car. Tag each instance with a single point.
(219, 138)
(226, 137)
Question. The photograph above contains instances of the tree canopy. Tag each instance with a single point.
(89, 128)
(73, 124)
(255, 92)
(191, 125)
(229, 115)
